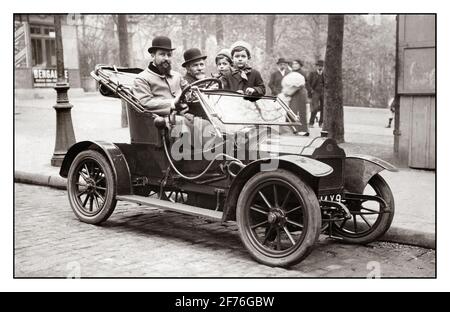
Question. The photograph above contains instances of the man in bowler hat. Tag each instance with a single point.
(277, 76)
(158, 86)
(316, 87)
(194, 62)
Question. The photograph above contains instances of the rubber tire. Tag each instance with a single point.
(110, 202)
(381, 188)
(312, 213)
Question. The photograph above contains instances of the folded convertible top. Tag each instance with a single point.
(117, 82)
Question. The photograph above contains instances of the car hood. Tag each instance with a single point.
(290, 144)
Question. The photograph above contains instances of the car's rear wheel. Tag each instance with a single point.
(369, 220)
(91, 187)
(279, 218)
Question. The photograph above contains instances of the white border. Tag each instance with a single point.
(237, 6)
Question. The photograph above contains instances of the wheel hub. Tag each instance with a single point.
(90, 184)
(276, 216)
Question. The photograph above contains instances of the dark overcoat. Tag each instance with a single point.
(233, 81)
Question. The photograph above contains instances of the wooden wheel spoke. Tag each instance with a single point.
(355, 224)
(85, 200)
(100, 188)
(275, 195)
(87, 170)
(81, 193)
(293, 209)
(101, 178)
(95, 173)
(295, 223)
(269, 231)
(289, 235)
(91, 202)
(97, 194)
(365, 220)
(265, 199)
(343, 224)
(283, 205)
(258, 225)
(84, 176)
(366, 213)
(96, 202)
(258, 210)
(370, 210)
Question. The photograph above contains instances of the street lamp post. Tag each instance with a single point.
(65, 136)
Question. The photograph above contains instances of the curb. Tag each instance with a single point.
(394, 234)
(410, 237)
(40, 179)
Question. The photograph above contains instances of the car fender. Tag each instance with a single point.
(359, 169)
(309, 169)
(114, 155)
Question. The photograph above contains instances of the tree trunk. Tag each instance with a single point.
(219, 30)
(333, 106)
(184, 30)
(124, 57)
(270, 34)
(203, 31)
(317, 28)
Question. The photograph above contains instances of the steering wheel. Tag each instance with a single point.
(203, 83)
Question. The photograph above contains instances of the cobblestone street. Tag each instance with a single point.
(145, 242)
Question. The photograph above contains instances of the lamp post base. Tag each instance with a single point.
(57, 159)
(65, 136)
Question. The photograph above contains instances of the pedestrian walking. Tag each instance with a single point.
(316, 88)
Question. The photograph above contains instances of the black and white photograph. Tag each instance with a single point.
(167, 146)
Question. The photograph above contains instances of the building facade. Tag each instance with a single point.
(35, 55)
(415, 133)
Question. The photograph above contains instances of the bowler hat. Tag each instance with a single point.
(320, 63)
(192, 55)
(282, 60)
(161, 42)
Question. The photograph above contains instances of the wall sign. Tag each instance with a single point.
(46, 78)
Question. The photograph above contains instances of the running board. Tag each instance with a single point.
(168, 205)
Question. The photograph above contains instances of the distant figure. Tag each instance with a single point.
(194, 62)
(294, 94)
(297, 66)
(392, 109)
(242, 78)
(316, 88)
(223, 63)
(277, 76)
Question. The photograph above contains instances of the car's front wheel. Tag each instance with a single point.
(91, 187)
(279, 218)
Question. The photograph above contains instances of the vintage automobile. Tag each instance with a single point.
(283, 189)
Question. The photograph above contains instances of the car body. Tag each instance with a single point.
(282, 188)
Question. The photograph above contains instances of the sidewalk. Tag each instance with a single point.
(97, 117)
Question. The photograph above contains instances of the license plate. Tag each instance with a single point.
(331, 197)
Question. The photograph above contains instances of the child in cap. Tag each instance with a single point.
(223, 62)
(243, 78)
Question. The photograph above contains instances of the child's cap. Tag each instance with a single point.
(224, 53)
(241, 44)
(293, 79)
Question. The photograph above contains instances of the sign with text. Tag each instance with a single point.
(46, 78)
